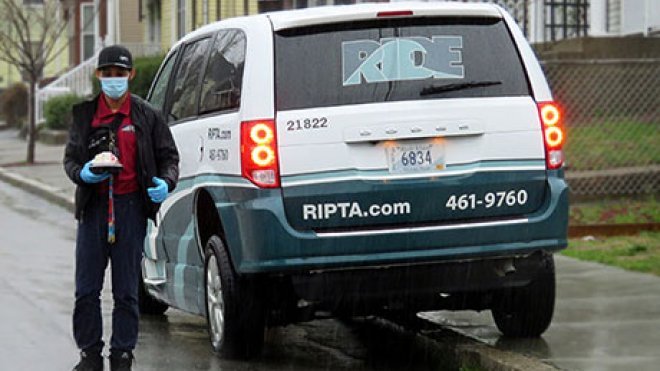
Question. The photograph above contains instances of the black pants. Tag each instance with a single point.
(92, 254)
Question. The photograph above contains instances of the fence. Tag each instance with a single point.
(611, 111)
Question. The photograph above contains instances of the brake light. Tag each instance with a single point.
(259, 153)
(395, 13)
(553, 134)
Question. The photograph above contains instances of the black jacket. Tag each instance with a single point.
(156, 152)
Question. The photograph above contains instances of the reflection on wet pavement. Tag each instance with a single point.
(605, 319)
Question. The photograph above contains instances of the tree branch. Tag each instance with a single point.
(13, 15)
(60, 29)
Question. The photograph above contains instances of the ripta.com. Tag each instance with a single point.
(348, 210)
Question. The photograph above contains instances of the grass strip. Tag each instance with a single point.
(639, 253)
(643, 209)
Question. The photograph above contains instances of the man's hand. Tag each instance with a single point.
(90, 177)
(159, 192)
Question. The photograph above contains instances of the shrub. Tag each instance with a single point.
(57, 111)
(13, 104)
(146, 69)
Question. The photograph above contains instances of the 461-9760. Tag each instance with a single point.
(490, 199)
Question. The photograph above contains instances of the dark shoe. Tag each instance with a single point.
(89, 362)
(121, 361)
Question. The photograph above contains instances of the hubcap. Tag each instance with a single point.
(215, 305)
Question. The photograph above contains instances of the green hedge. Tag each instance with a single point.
(57, 111)
(146, 69)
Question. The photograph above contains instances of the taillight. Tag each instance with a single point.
(259, 162)
(553, 134)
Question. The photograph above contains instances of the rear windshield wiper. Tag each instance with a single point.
(434, 89)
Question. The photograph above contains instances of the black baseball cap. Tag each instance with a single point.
(115, 55)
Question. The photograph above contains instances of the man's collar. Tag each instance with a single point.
(103, 110)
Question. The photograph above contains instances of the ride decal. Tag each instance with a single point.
(400, 59)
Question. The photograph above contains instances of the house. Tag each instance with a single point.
(9, 74)
(166, 21)
(96, 23)
(92, 25)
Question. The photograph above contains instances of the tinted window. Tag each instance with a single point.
(396, 60)
(157, 96)
(186, 82)
(221, 88)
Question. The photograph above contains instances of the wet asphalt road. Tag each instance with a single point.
(36, 302)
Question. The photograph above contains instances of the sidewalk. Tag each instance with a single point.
(46, 177)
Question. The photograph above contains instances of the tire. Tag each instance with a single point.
(234, 309)
(147, 304)
(526, 312)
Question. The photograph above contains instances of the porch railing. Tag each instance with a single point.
(76, 81)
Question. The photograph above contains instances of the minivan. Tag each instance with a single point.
(370, 159)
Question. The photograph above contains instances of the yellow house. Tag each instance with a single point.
(166, 21)
(10, 75)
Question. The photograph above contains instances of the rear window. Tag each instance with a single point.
(396, 60)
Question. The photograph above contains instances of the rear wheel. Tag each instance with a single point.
(234, 310)
(527, 311)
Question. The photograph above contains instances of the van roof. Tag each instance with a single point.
(343, 13)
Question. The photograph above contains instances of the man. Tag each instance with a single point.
(112, 209)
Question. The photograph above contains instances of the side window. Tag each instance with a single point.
(221, 88)
(157, 96)
(186, 81)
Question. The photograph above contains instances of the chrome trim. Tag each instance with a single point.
(386, 177)
(155, 282)
(421, 229)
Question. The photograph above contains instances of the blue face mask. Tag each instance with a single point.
(114, 87)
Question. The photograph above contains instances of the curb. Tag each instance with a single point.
(464, 351)
(471, 352)
(38, 188)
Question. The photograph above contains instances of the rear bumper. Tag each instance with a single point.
(265, 243)
(418, 285)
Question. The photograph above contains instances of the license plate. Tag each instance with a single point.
(413, 158)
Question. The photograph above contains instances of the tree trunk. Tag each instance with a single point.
(32, 124)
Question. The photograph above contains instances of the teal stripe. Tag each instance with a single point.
(189, 182)
(179, 297)
(146, 248)
(184, 241)
(385, 172)
(182, 263)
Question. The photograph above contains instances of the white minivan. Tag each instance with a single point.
(363, 159)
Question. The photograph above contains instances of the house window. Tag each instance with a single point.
(154, 22)
(566, 19)
(181, 18)
(33, 2)
(613, 9)
(87, 27)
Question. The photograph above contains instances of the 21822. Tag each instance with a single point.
(307, 124)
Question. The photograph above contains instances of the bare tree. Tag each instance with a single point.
(30, 35)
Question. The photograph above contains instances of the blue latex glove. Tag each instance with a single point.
(88, 176)
(159, 192)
